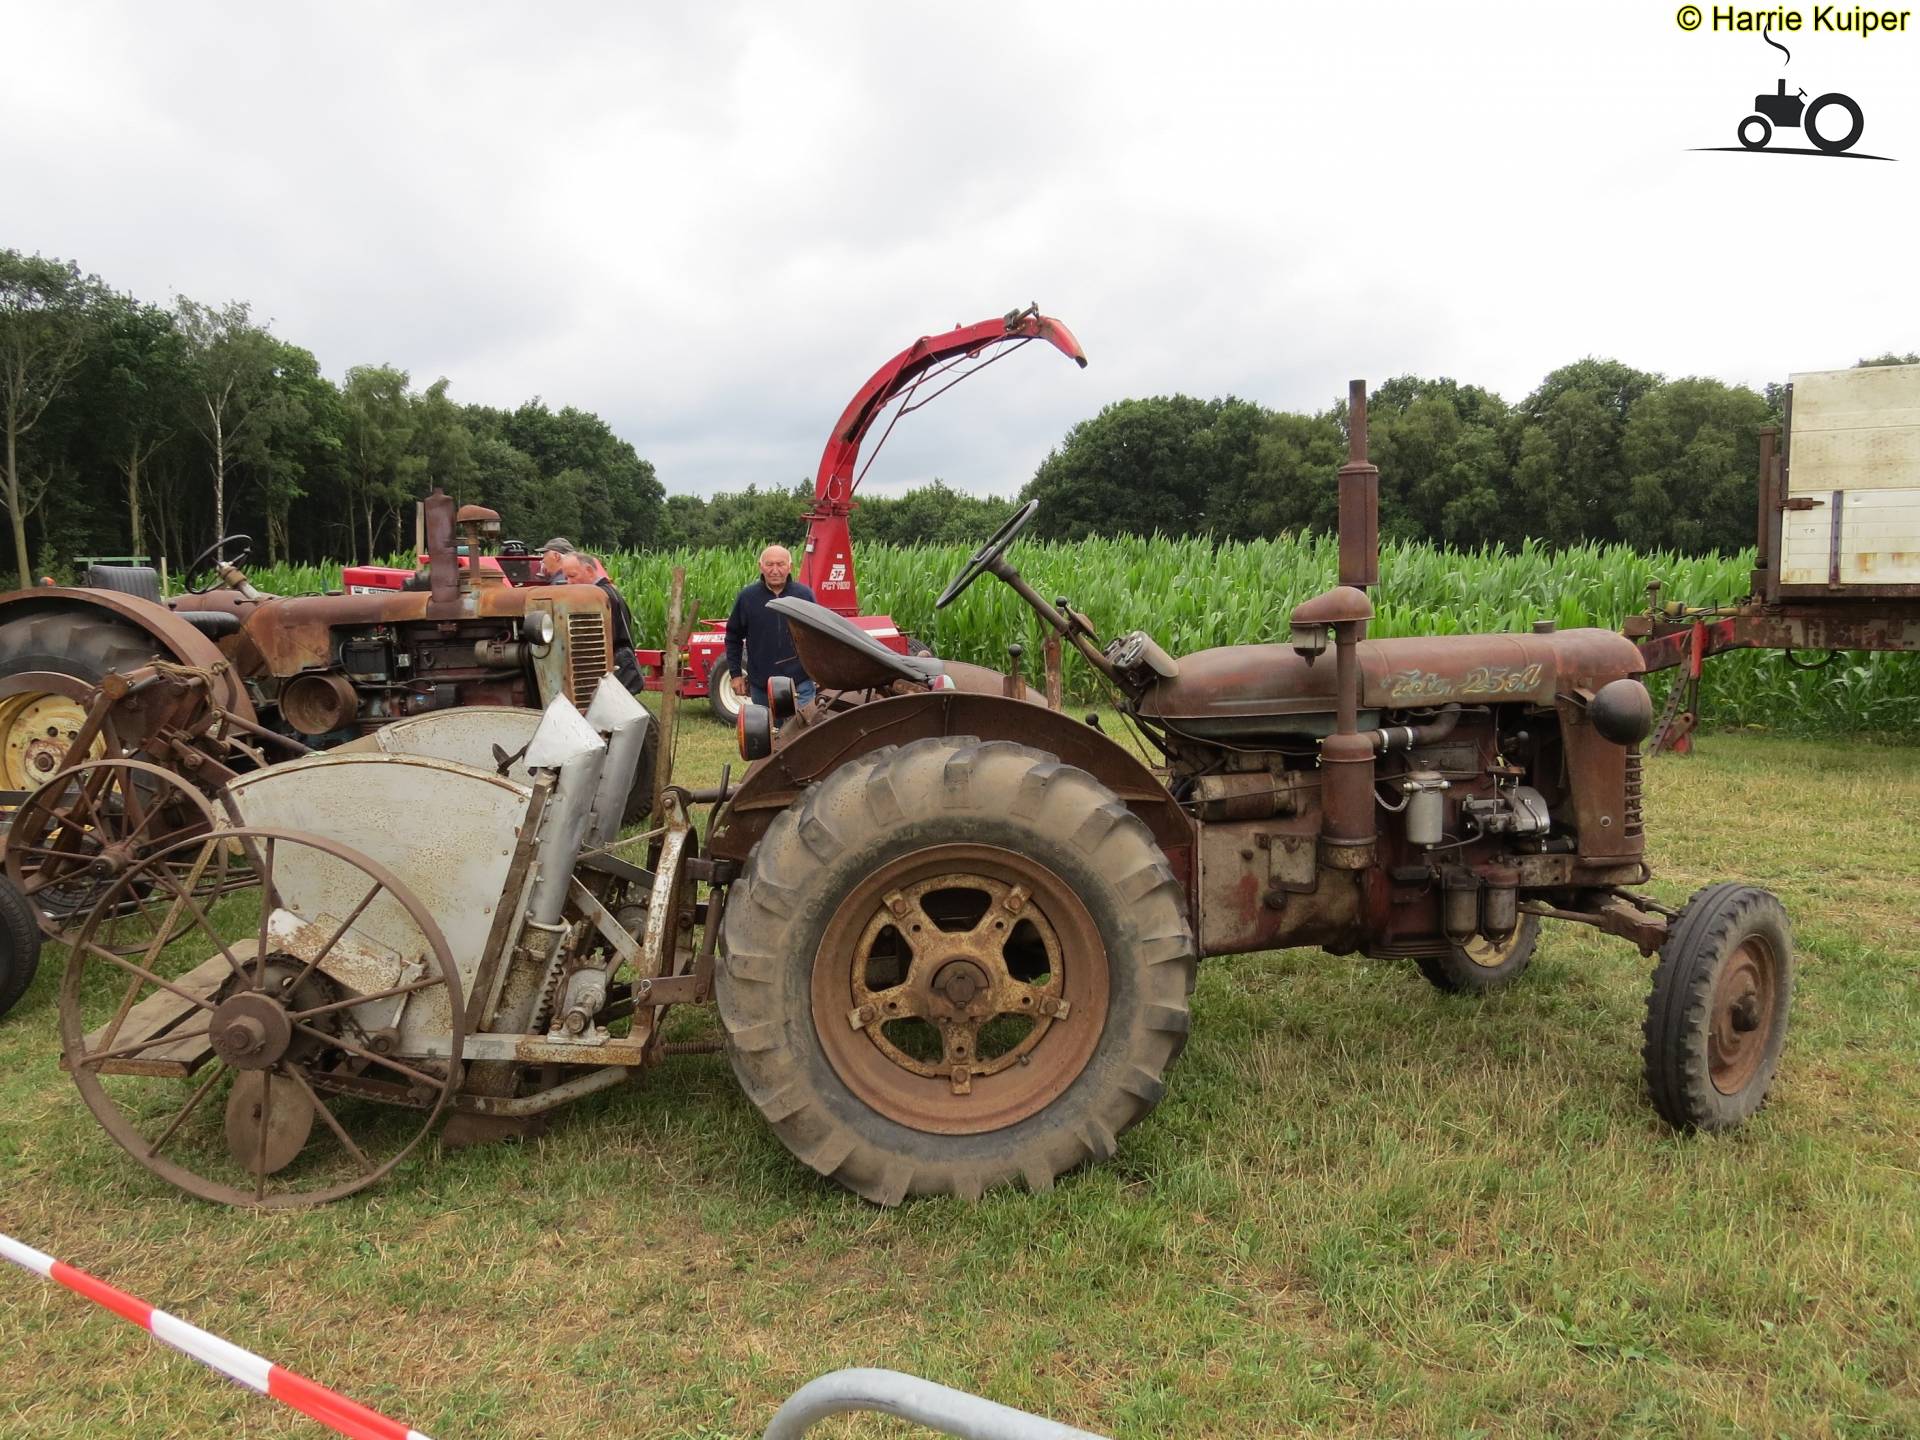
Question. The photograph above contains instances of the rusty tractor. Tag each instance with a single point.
(950, 935)
(324, 667)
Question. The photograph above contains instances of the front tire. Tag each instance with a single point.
(1717, 1017)
(954, 965)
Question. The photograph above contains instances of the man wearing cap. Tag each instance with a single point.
(762, 634)
(580, 569)
(553, 556)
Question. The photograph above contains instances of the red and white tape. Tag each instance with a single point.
(336, 1411)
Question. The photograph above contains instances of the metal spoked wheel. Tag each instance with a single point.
(273, 1052)
(86, 828)
(959, 967)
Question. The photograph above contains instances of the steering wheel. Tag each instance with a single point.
(988, 553)
(245, 542)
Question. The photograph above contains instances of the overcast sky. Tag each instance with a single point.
(710, 223)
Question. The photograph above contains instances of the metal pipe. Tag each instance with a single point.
(938, 1407)
(590, 1083)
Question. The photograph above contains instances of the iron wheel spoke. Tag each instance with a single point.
(333, 1122)
(152, 979)
(334, 939)
(412, 989)
(200, 918)
(419, 1077)
(153, 1150)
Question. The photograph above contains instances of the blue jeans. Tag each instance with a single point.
(803, 693)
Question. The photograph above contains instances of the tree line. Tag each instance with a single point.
(1599, 452)
(131, 428)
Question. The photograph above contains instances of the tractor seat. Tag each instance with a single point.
(139, 580)
(839, 655)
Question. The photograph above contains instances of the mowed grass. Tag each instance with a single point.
(1364, 1208)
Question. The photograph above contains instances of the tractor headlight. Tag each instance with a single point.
(755, 732)
(536, 627)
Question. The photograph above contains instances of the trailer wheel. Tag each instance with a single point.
(1481, 966)
(37, 722)
(1717, 1016)
(720, 697)
(954, 965)
(19, 945)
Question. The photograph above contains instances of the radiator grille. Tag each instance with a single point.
(1633, 790)
(588, 656)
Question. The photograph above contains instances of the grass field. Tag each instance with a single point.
(1364, 1208)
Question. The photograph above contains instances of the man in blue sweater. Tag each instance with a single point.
(763, 635)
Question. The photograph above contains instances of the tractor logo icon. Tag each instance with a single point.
(1792, 112)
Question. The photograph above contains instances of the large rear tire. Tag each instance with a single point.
(954, 965)
(36, 725)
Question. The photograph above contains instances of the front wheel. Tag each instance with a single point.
(1717, 1017)
(955, 965)
(720, 697)
(1755, 131)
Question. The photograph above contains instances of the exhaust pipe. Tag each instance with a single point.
(615, 714)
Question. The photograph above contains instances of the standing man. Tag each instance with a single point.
(553, 557)
(578, 569)
(763, 634)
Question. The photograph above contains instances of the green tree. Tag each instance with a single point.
(46, 315)
(931, 514)
(1569, 473)
(1292, 483)
(377, 429)
(230, 361)
(1145, 466)
(1442, 457)
(1692, 451)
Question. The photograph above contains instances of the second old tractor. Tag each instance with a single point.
(951, 935)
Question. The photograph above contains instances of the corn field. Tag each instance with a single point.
(1192, 594)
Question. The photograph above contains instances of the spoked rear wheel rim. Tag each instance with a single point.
(960, 989)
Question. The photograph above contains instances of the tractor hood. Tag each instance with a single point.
(1240, 686)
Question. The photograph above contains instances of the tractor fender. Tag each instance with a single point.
(778, 781)
(174, 639)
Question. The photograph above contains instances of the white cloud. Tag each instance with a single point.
(709, 225)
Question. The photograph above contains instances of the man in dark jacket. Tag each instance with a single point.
(759, 644)
(579, 569)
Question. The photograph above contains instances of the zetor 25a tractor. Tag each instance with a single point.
(960, 946)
